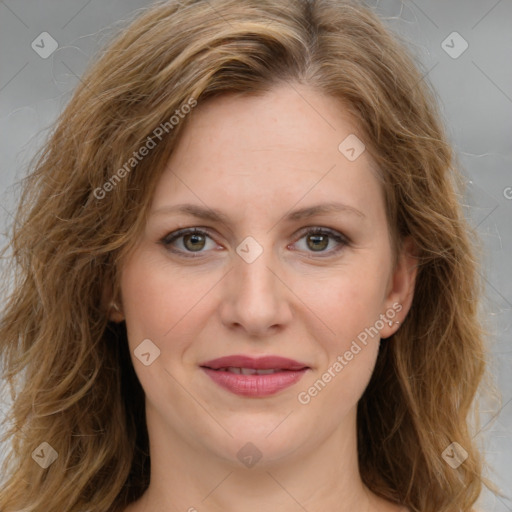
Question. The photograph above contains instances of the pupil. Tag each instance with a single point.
(194, 238)
(323, 239)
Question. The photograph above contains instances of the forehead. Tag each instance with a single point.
(277, 148)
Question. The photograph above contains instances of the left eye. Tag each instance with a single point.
(194, 240)
(318, 239)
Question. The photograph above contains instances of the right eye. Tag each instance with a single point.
(189, 240)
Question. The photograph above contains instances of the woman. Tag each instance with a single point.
(243, 280)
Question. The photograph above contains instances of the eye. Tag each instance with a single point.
(191, 240)
(318, 240)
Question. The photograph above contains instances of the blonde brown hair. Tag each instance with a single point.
(69, 368)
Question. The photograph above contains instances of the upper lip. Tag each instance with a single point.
(260, 363)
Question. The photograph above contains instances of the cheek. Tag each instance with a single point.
(340, 386)
(349, 304)
(349, 301)
(152, 299)
(165, 304)
(351, 310)
(158, 305)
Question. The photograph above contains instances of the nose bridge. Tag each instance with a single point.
(255, 299)
(255, 278)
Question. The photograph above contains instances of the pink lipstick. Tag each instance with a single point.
(254, 377)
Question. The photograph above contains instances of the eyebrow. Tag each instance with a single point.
(214, 215)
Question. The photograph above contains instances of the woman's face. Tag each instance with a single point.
(292, 259)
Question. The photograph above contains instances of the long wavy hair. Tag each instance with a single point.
(70, 374)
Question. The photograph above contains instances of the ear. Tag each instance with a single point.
(115, 312)
(401, 287)
(112, 307)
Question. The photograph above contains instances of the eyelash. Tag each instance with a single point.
(172, 237)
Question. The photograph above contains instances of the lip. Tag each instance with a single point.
(255, 385)
(255, 363)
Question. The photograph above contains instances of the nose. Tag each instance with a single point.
(255, 298)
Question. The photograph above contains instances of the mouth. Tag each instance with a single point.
(250, 377)
(250, 371)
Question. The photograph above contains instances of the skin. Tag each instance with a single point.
(256, 158)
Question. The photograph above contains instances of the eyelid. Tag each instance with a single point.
(324, 230)
(185, 231)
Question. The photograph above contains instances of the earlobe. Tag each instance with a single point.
(113, 310)
(114, 313)
(402, 284)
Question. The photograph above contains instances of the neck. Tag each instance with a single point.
(185, 476)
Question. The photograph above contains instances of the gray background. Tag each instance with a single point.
(475, 90)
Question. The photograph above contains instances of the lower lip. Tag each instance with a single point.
(255, 385)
